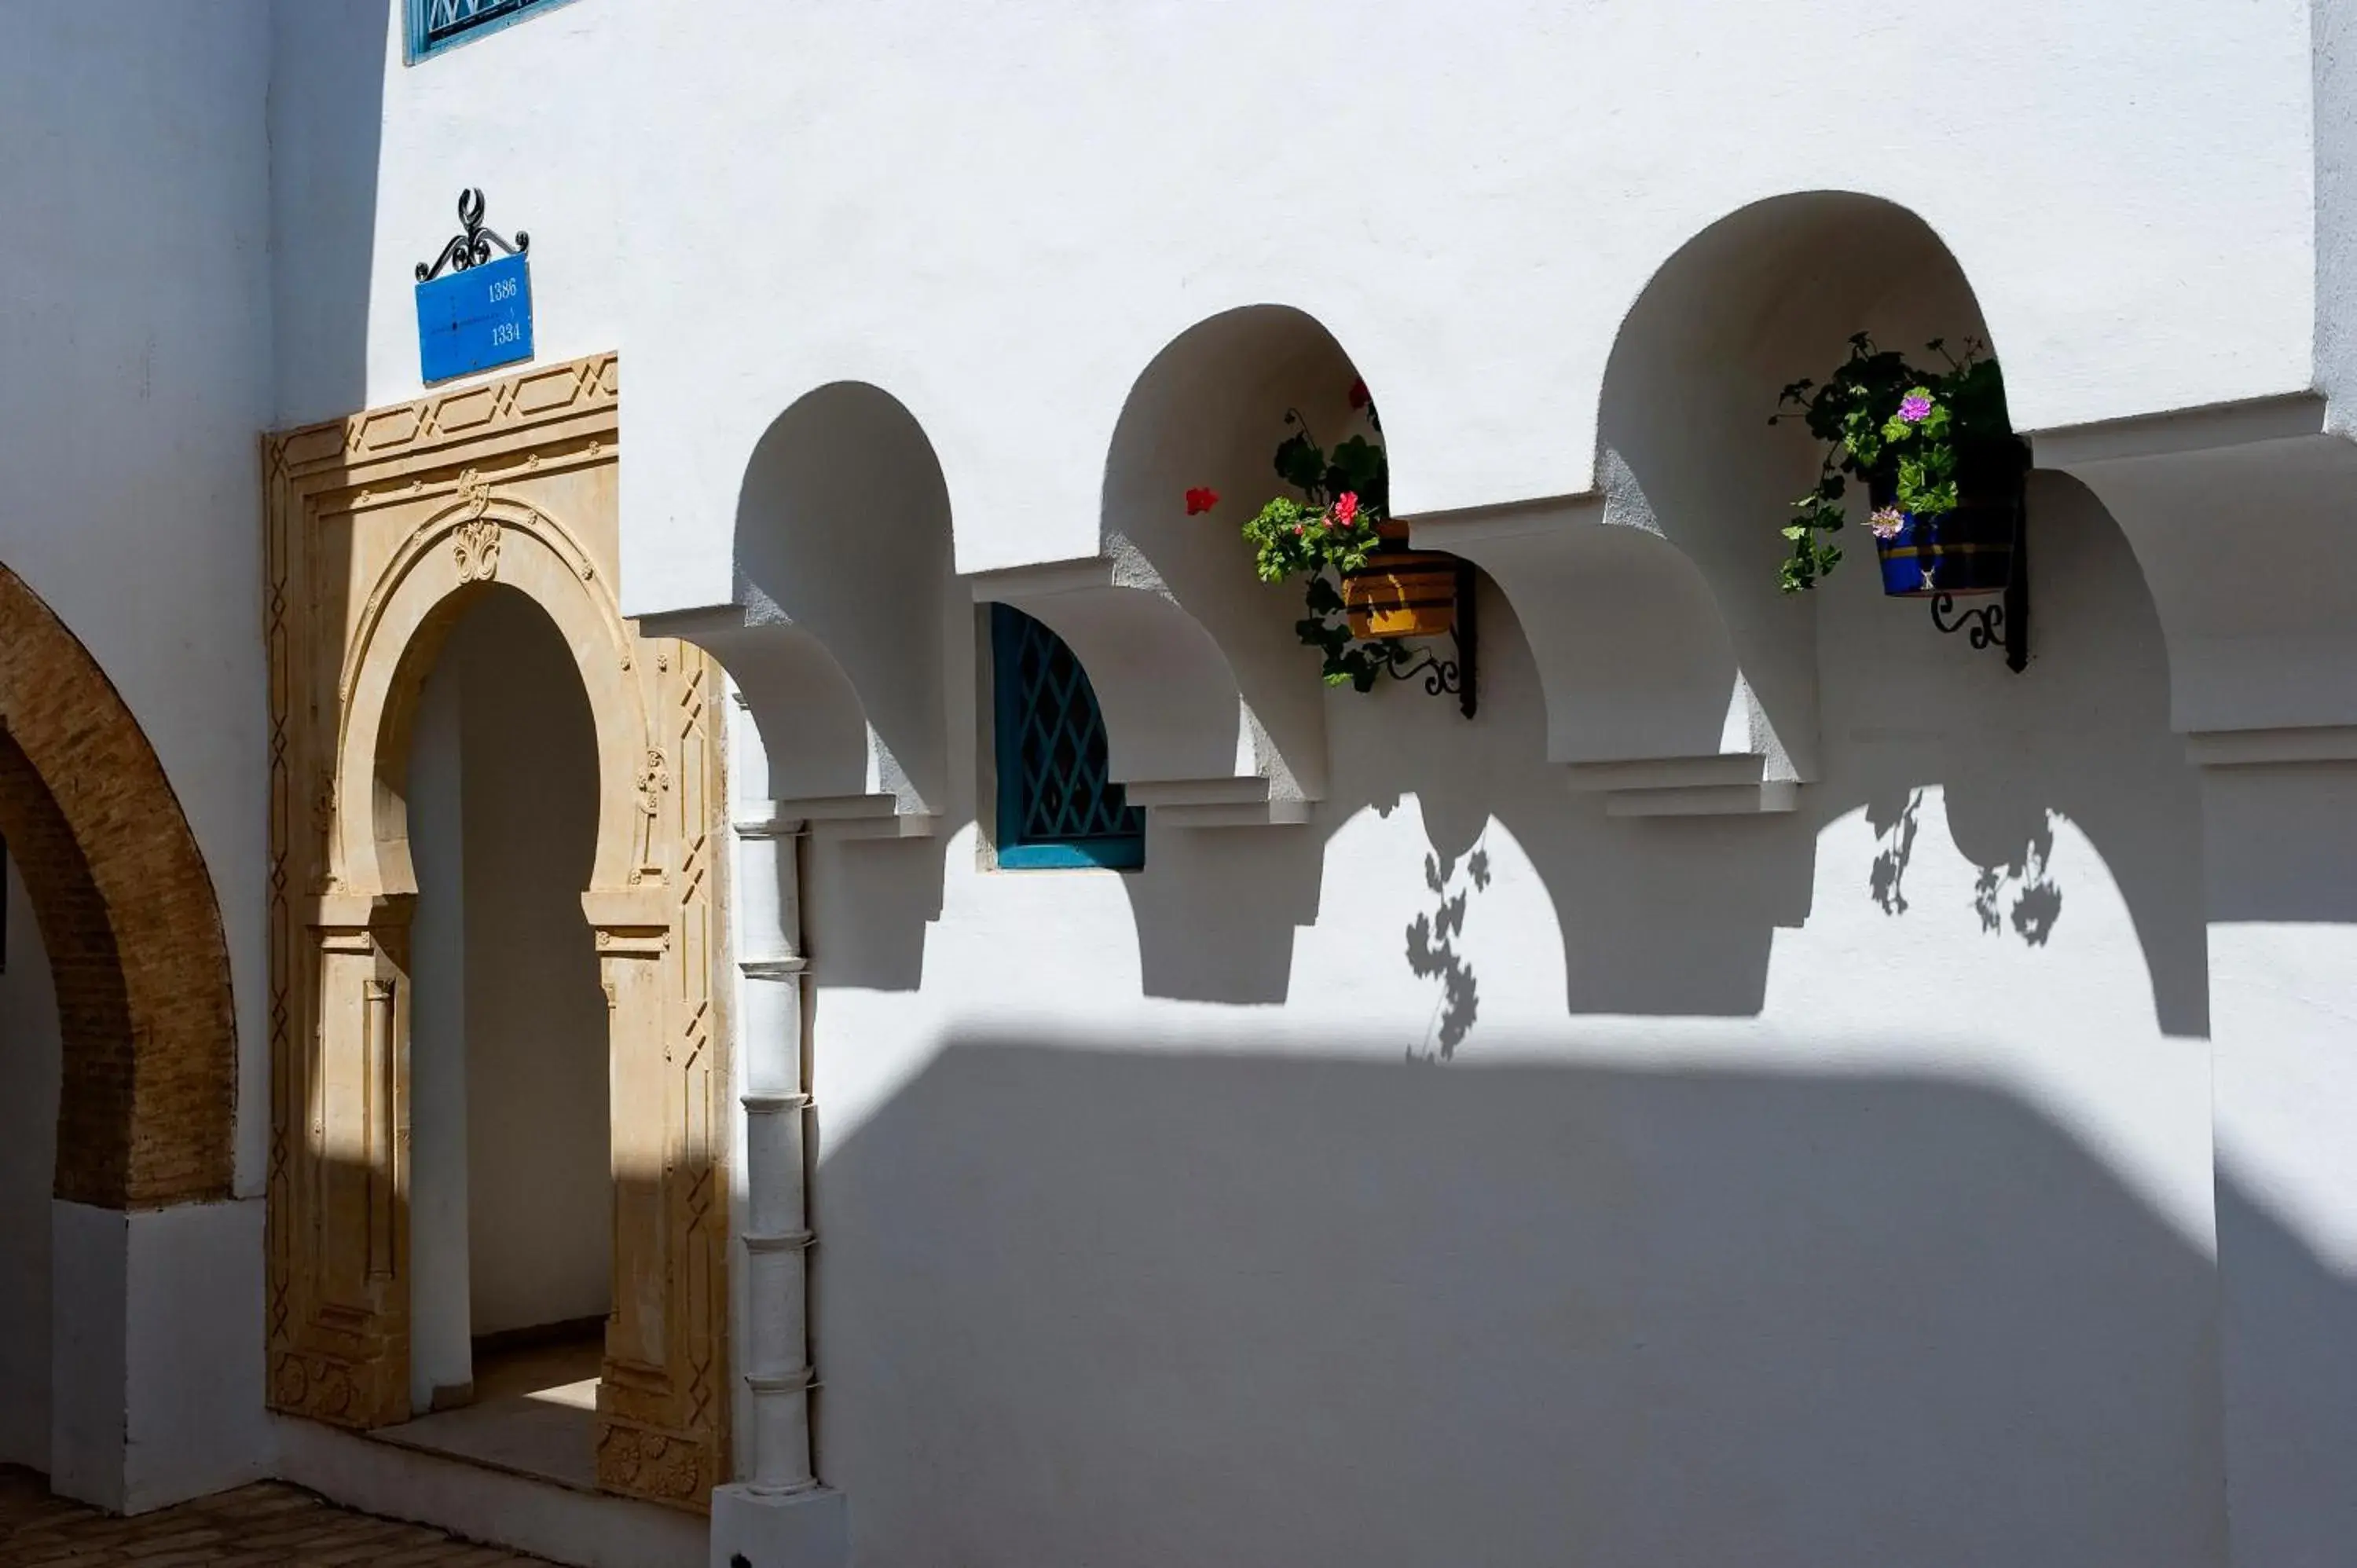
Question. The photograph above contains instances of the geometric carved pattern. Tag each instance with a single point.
(381, 529)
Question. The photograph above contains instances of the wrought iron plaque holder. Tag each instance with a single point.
(471, 246)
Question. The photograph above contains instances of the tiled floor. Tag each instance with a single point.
(265, 1525)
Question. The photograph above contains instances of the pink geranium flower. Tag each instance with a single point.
(1915, 408)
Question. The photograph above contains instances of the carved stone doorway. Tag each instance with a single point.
(381, 529)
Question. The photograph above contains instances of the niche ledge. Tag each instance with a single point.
(1728, 784)
(870, 816)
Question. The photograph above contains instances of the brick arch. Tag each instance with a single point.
(128, 918)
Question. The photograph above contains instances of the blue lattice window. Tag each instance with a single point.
(1056, 805)
(435, 25)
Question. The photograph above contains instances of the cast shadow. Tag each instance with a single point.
(1677, 916)
(1658, 916)
(327, 120)
(2082, 737)
(870, 907)
(1255, 1308)
(1217, 909)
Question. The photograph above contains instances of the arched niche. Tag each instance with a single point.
(1711, 703)
(1214, 709)
(836, 639)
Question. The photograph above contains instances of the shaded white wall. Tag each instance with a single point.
(1773, 1205)
(539, 1196)
(136, 325)
(29, 1067)
(441, 1329)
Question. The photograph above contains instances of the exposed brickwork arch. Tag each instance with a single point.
(128, 917)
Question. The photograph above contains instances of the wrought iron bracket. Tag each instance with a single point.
(1457, 677)
(2004, 624)
(471, 247)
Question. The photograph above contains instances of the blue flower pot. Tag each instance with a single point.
(1969, 550)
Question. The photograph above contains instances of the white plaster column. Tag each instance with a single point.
(777, 1515)
(775, 1351)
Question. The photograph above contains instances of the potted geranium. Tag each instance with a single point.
(1943, 469)
(1365, 589)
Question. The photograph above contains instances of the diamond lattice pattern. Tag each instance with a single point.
(1065, 794)
(448, 18)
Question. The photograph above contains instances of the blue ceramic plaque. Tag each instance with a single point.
(475, 319)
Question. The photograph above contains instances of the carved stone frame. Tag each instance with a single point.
(380, 529)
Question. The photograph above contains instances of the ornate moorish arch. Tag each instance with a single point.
(129, 918)
(384, 528)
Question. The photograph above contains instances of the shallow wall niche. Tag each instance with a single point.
(836, 639)
(1214, 712)
(1725, 716)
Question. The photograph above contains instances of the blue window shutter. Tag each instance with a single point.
(1057, 807)
(435, 25)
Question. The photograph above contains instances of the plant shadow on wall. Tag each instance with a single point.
(1653, 917)
(2067, 774)
(1432, 954)
(2038, 901)
(2037, 897)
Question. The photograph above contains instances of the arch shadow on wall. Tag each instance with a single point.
(2083, 737)
(1215, 714)
(130, 923)
(1679, 693)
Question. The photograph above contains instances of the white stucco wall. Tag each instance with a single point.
(1815, 1190)
(539, 1187)
(511, 1200)
(441, 1324)
(1507, 179)
(134, 373)
(29, 1066)
(1778, 1205)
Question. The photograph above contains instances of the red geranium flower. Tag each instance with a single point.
(1346, 508)
(1359, 396)
(1201, 498)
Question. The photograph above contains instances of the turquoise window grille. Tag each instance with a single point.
(437, 24)
(1056, 805)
